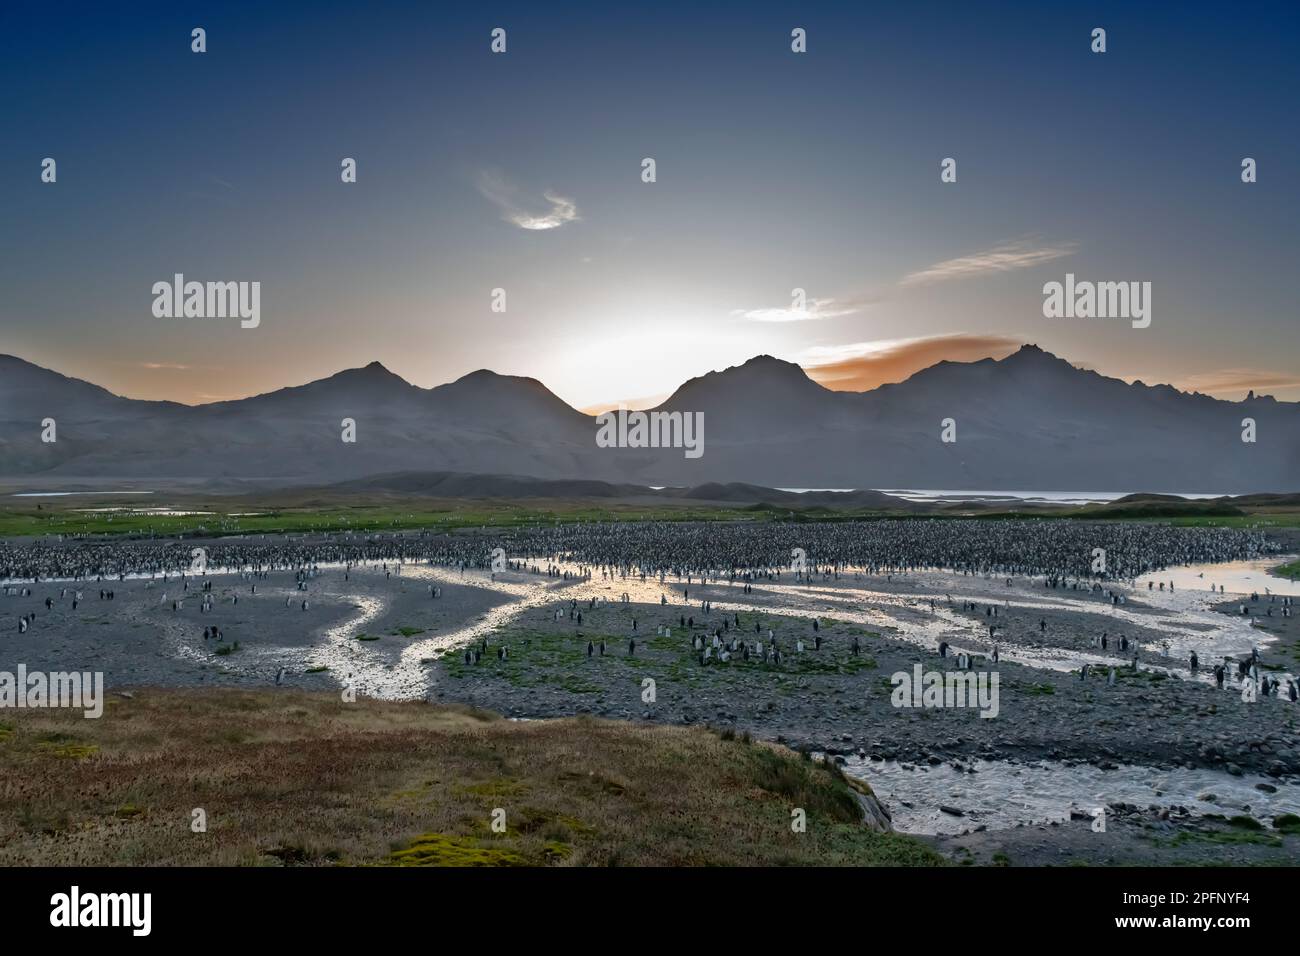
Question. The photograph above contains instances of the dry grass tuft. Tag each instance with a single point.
(288, 778)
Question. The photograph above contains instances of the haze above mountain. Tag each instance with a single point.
(1030, 421)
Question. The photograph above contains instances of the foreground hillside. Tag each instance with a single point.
(292, 778)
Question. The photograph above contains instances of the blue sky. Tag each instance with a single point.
(775, 170)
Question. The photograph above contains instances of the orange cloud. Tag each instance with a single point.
(1235, 382)
(638, 404)
(866, 365)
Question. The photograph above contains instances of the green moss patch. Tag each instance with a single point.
(441, 849)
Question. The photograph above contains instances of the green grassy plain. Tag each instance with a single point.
(295, 513)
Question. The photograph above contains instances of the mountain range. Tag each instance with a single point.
(1030, 421)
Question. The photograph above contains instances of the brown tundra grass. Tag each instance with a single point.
(292, 778)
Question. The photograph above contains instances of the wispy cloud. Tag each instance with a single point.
(860, 366)
(814, 309)
(504, 195)
(1006, 257)
(164, 365)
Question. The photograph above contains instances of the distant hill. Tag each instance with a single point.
(457, 485)
(443, 484)
(1029, 422)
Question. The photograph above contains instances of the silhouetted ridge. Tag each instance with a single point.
(1028, 422)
